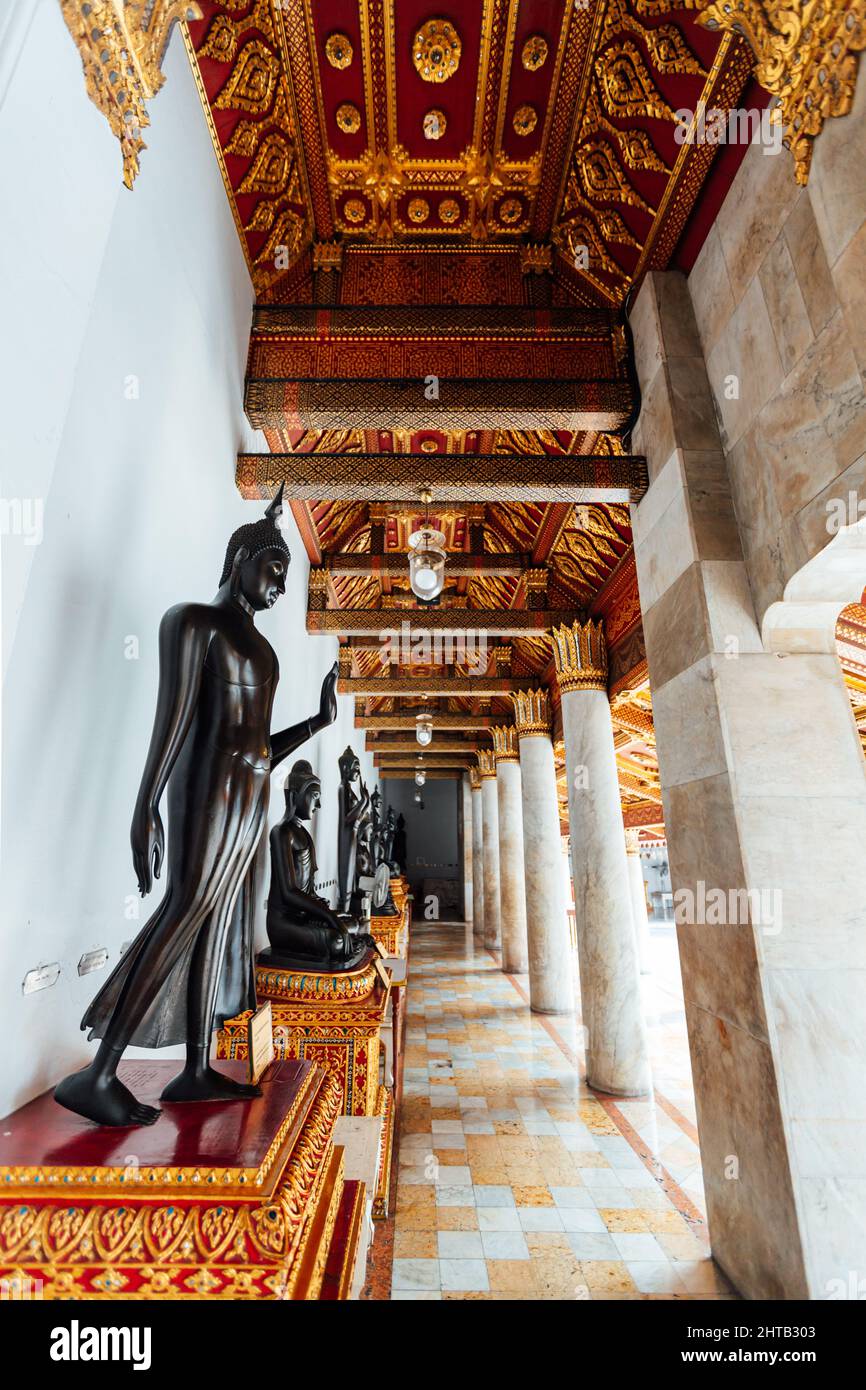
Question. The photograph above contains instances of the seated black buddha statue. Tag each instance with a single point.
(304, 931)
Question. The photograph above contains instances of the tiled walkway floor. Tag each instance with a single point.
(515, 1181)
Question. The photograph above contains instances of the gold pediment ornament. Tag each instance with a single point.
(122, 44)
(806, 56)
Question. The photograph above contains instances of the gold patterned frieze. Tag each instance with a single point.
(806, 56)
(532, 713)
(505, 746)
(122, 44)
(580, 653)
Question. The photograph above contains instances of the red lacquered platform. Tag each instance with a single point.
(215, 1200)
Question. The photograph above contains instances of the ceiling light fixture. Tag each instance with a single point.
(424, 729)
(427, 556)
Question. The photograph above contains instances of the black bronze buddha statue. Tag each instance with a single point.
(304, 932)
(388, 908)
(353, 808)
(190, 967)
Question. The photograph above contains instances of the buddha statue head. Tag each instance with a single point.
(350, 766)
(258, 558)
(303, 791)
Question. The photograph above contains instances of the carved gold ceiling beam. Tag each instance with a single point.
(400, 722)
(402, 774)
(396, 564)
(463, 478)
(445, 761)
(386, 748)
(443, 622)
(412, 687)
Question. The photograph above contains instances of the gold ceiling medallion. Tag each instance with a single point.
(435, 124)
(510, 211)
(122, 51)
(354, 210)
(534, 54)
(436, 51)
(339, 51)
(525, 120)
(348, 118)
(429, 446)
(806, 56)
(418, 210)
(449, 211)
(580, 653)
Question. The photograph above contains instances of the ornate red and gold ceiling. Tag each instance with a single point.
(544, 123)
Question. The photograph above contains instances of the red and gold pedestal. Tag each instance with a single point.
(215, 1201)
(335, 1020)
(392, 932)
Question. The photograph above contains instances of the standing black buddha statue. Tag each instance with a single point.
(211, 747)
(353, 808)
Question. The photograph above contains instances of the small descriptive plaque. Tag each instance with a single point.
(260, 1042)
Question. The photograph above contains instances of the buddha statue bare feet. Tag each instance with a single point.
(98, 1095)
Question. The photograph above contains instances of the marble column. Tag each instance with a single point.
(490, 835)
(551, 984)
(477, 856)
(466, 810)
(617, 1058)
(638, 899)
(764, 790)
(512, 885)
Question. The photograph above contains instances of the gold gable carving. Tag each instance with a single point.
(122, 45)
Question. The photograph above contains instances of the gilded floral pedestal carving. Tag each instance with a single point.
(243, 1201)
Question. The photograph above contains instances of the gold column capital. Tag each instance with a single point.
(505, 749)
(486, 763)
(532, 716)
(474, 779)
(580, 653)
